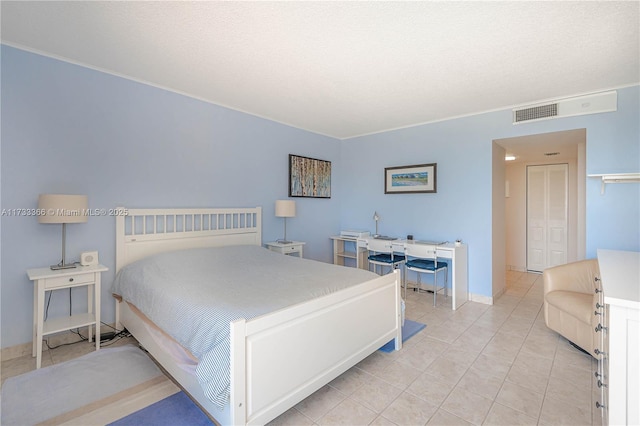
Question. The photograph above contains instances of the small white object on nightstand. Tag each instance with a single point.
(291, 247)
(47, 280)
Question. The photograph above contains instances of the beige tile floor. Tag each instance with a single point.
(479, 365)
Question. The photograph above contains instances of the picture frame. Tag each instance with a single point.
(418, 178)
(309, 177)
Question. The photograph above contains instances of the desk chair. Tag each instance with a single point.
(423, 259)
(381, 253)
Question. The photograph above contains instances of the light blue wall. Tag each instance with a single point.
(462, 201)
(462, 206)
(69, 129)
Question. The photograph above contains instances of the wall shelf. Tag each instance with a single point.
(616, 178)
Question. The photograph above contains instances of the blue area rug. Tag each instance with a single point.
(176, 410)
(409, 329)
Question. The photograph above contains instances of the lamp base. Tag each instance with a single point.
(63, 266)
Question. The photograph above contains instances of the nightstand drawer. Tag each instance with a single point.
(291, 249)
(69, 280)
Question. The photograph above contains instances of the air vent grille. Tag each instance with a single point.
(535, 113)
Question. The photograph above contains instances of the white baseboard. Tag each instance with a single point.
(480, 298)
(24, 349)
(516, 268)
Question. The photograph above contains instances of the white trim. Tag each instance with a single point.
(158, 86)
(503, 108)
(487, 300)
(284, 123)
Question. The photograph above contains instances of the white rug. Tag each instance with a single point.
(96, 388)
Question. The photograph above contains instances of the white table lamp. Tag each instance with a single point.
(285, 209)
(59, 208)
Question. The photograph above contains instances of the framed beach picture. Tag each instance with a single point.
(410, 179)
(309, 177)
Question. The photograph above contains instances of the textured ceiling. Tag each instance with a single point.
(345, 68)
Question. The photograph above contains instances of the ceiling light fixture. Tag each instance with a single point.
(509, 157)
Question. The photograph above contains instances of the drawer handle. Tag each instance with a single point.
(598, 306)
(597, 374)
(600, 327)
(598, 405)
(600, 384)
(71, 279)
(599, 352)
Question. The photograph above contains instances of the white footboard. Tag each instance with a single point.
(281, 358)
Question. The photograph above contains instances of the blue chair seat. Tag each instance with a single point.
(428, 265)
(386, 258)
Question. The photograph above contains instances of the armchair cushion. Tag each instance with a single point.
(578, 305)
(569, 302)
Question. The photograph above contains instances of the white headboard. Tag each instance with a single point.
(144, 232)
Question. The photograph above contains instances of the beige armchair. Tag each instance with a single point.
(570, 301)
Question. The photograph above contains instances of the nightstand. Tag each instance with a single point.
(286, 248)
(44, 280)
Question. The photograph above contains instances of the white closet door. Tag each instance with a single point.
(557, 221)
(547, 205)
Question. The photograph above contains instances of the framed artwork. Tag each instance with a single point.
(410, 179)
(309, 177)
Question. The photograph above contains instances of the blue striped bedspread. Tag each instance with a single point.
(193, 295)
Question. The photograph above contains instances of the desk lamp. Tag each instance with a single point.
(285, 209)
(376, 218)
(58, 208)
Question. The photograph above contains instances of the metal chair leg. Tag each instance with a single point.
(435, 287)
(446, 281)
(404, 282)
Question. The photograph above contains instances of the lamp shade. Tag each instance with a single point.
(59, 208)
(285, 208)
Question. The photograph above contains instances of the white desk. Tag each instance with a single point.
(457, 254)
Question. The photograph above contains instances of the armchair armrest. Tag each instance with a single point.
(576, 276)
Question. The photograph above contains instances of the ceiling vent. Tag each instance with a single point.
(535, 113)
(581, 105)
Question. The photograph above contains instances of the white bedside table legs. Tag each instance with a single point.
(93, 299)
(96, 303)
(38, 318)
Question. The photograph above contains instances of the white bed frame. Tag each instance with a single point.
(277, 359)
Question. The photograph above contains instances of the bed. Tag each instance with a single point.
(277, 357)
